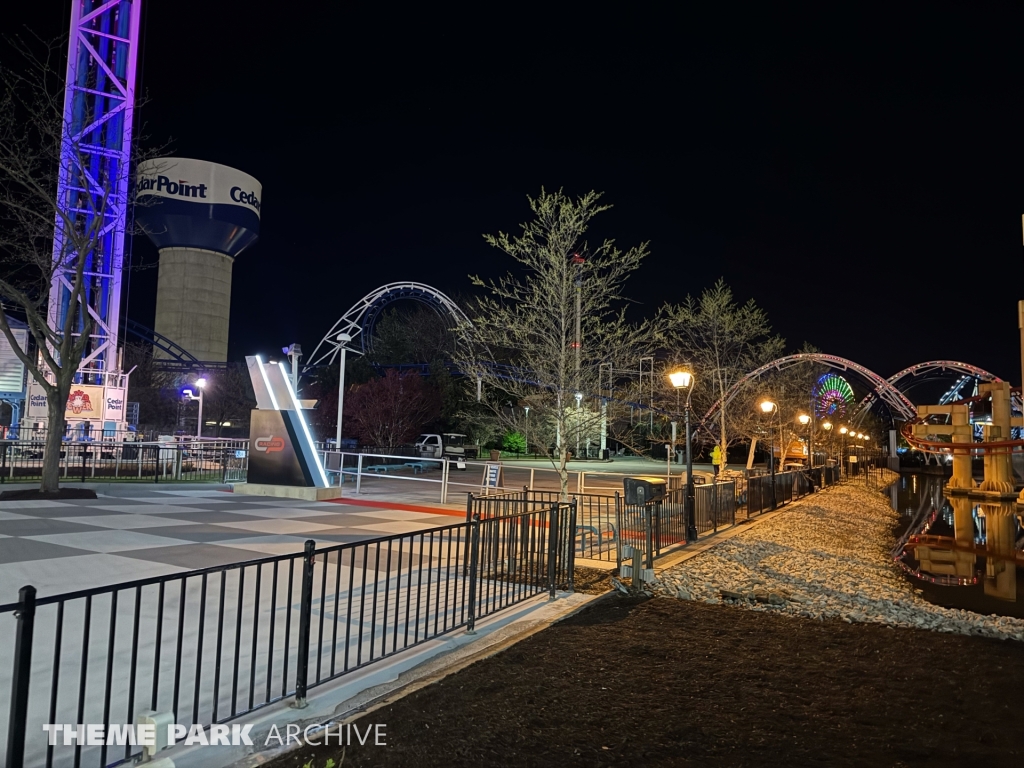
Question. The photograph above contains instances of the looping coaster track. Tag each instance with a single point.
(360, 319)
(888, 390)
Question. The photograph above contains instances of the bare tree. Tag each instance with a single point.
(33, 262)
(391, 410)
(228, 397)
(538, 340)
(723, 341)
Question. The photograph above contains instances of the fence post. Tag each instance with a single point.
(474, 562)
(3, 461)
(224, 466)
(552, 550)
(618, 534)
(649, 535)
(572, 545)
(85, 452)
(359, 472)
(20, 679)
(444, 480)
(305, 618)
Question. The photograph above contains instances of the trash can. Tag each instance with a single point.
(606, 454)
(641, 490)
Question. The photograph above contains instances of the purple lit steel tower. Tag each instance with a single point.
(93, 182)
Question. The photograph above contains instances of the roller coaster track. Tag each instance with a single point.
(895, 399)
(931, 367)
(178, 358)
(359, 320)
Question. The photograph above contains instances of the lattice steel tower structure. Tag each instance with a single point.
(93, 184)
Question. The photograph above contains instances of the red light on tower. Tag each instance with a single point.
(577, 259)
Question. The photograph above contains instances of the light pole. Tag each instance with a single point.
(579, 421)
(526, 429)
(805, 420)
(343, 339)
(842, 451)
(294, 352)
(770, 408)
(827, 426)
(685, 380)
(200, 385)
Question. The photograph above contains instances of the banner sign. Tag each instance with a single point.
(36, 401)
(114, 405)
(84, 402)
(198, 181)
(12, 370)
(492, 476)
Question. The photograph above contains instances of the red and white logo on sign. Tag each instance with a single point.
(269, 444)
(78, 401)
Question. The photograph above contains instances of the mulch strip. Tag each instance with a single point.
(660, 682)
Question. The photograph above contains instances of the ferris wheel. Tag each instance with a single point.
(832, 394)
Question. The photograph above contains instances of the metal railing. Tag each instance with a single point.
(789, 485)
(22, 460)
(213, 644)
(595, 531)
(344, 466)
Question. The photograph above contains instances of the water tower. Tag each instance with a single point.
(200, 216)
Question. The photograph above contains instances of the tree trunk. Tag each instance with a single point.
(55, 404)
(721, 421)
(563, 472)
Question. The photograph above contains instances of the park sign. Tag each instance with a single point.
(492, 478)
(194, 204)
(281, 448)
(198, 182)
(84, 402)
(272, 456)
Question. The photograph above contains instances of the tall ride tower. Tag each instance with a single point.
(93, 188)
(93, 182)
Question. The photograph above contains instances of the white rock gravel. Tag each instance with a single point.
(828, 557)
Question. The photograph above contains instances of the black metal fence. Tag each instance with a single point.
(662, 525)
(595, 529)
(604, 523)
(100, 461)
(213, 644)
(789, 485)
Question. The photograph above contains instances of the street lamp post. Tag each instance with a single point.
(842, 452)
(526, 428)
(343, 339)
(827, 426)
(770, 408)
(685, 380)
(579, 421)
(201, 385)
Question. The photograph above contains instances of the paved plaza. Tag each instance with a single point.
(133, 532)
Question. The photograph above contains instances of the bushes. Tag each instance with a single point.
(513, 442)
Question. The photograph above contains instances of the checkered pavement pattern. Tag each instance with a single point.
(79, 544)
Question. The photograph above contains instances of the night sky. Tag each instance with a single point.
(856, 170)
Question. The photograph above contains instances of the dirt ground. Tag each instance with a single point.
(661, 682)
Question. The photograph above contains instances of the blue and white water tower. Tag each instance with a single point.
(200, 216)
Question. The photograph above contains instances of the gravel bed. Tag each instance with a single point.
(827, 557)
